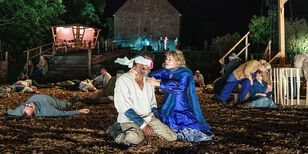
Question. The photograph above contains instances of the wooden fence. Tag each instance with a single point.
(286, 84)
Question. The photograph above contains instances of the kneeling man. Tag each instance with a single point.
(135, 101)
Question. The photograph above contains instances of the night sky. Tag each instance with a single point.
(206, 19)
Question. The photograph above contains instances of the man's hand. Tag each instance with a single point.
(148, 131)
(251, 82)
(84, 111)
(221, 61)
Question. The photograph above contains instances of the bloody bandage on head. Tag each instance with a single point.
(145, 61)
(140, 60)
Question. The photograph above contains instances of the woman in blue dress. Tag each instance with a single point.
(180, 107)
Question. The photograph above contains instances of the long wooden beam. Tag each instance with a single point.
(281, 32)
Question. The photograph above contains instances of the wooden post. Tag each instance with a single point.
(287, 90)
(5, 65)
(298, 85)
(40, 51)
(281, 31)
(284, 88)
(292, 87)
(28, 58)
(280, 86)
(6, 56)
(53, 49)
(306, 102)
(269, 50)
(89, 59)
(106, 46)
(98, 47)
(246, 51)
(275, 85)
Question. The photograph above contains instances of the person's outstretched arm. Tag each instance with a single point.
(175, 86)
(157, 74)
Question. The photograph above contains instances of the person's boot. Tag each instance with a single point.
(114, 130)
(239, 102)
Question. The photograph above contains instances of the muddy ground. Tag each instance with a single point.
(239, 130)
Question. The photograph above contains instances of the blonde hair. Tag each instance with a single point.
(265, 64)
(178, 57)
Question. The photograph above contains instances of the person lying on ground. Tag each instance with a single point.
(23, 79)
(5, 90)
(260, 93)
(46, 106)
(106, 94)
(75, 85)
(87, 86)
(135, 101)
(28, 87)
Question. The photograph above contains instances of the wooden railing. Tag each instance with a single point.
(39, 51)
(267, 56)
(268, 52)
(286, 86)
(245, 37)
(110, 45)
(107, 45)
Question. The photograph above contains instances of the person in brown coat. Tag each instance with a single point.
(243, 75)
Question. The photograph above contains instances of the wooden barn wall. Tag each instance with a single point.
(147, 19)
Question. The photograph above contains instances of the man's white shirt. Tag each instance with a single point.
(128, 95)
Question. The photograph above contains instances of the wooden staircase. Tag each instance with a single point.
(69, 67)
(75, 65)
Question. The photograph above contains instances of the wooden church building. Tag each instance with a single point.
(143, 22)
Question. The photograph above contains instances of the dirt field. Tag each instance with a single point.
(239, 130)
